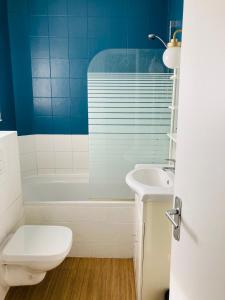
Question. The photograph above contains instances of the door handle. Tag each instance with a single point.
(174, 216)
(170, 213)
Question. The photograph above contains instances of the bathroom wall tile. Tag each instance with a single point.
(135, 9)
(137, 31)
(61, 107)
(98, 8)
(39, 47)
(17, 7)
(77, 27)
(60, 88)
(80, 143)
(38, 7)
(78, 126)
(28, 162)
(26, 144)
(58, 27)
(61, 125)
(79, 107)
(41, 87)
(62, 143)
(63, 171)
(10, 217)
(40, 67)
(38, 26)
(118, 36)
(95, 45)
(60, 68)
(42, 106)
(78, 48)
(81, 249)
(77, 8)
(45, 160)
(57, 7)
(44, 172)
(43, 124)
(29, 173)
(78, 68)
(44, 142)
(32, 214)
(80, 160)
(63, 160)
(59, 48)
(118, 8)
(77, 88)
(81, 171)
(98, 27)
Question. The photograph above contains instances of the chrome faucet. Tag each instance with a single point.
(170, 168)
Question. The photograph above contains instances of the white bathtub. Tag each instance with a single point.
(48, 188)
(100, 228)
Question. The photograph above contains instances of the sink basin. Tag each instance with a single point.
(150, 180)
(152, 177)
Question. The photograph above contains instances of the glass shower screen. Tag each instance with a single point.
(129, 94)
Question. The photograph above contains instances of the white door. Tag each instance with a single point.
(198, 260)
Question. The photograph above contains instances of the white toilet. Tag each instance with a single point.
(32, 251)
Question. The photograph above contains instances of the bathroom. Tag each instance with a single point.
(106, 109)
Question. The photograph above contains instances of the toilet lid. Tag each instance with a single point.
(37, 242)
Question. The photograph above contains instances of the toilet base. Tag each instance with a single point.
(13, 275)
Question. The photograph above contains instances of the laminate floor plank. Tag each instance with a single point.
(83, 279)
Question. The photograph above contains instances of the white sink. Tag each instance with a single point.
(149, 180)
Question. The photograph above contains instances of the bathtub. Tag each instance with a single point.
(74, 187)
(50, 188)
(100, 228)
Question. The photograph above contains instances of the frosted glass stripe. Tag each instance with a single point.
(150, 122)
(128, 121)
(127, 105)
(121, 95)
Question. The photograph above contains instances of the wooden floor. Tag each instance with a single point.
(83, 279)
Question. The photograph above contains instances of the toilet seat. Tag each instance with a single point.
(31, 251)
(37, 243)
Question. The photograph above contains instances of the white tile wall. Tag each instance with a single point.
(27, 149)
(53, 154)
(100, 229)
(11, 207)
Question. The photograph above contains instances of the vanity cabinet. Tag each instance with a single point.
(152, 247)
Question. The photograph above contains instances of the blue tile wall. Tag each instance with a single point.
(21, 68)
(52, 43)
(6, 87)
(175, 10)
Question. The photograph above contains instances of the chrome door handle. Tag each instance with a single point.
(170, 213)
(174, 216)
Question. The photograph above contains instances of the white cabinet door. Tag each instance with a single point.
(198, 260)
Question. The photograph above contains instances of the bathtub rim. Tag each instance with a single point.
(112, 203)
(83, 177)
(54, 176)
